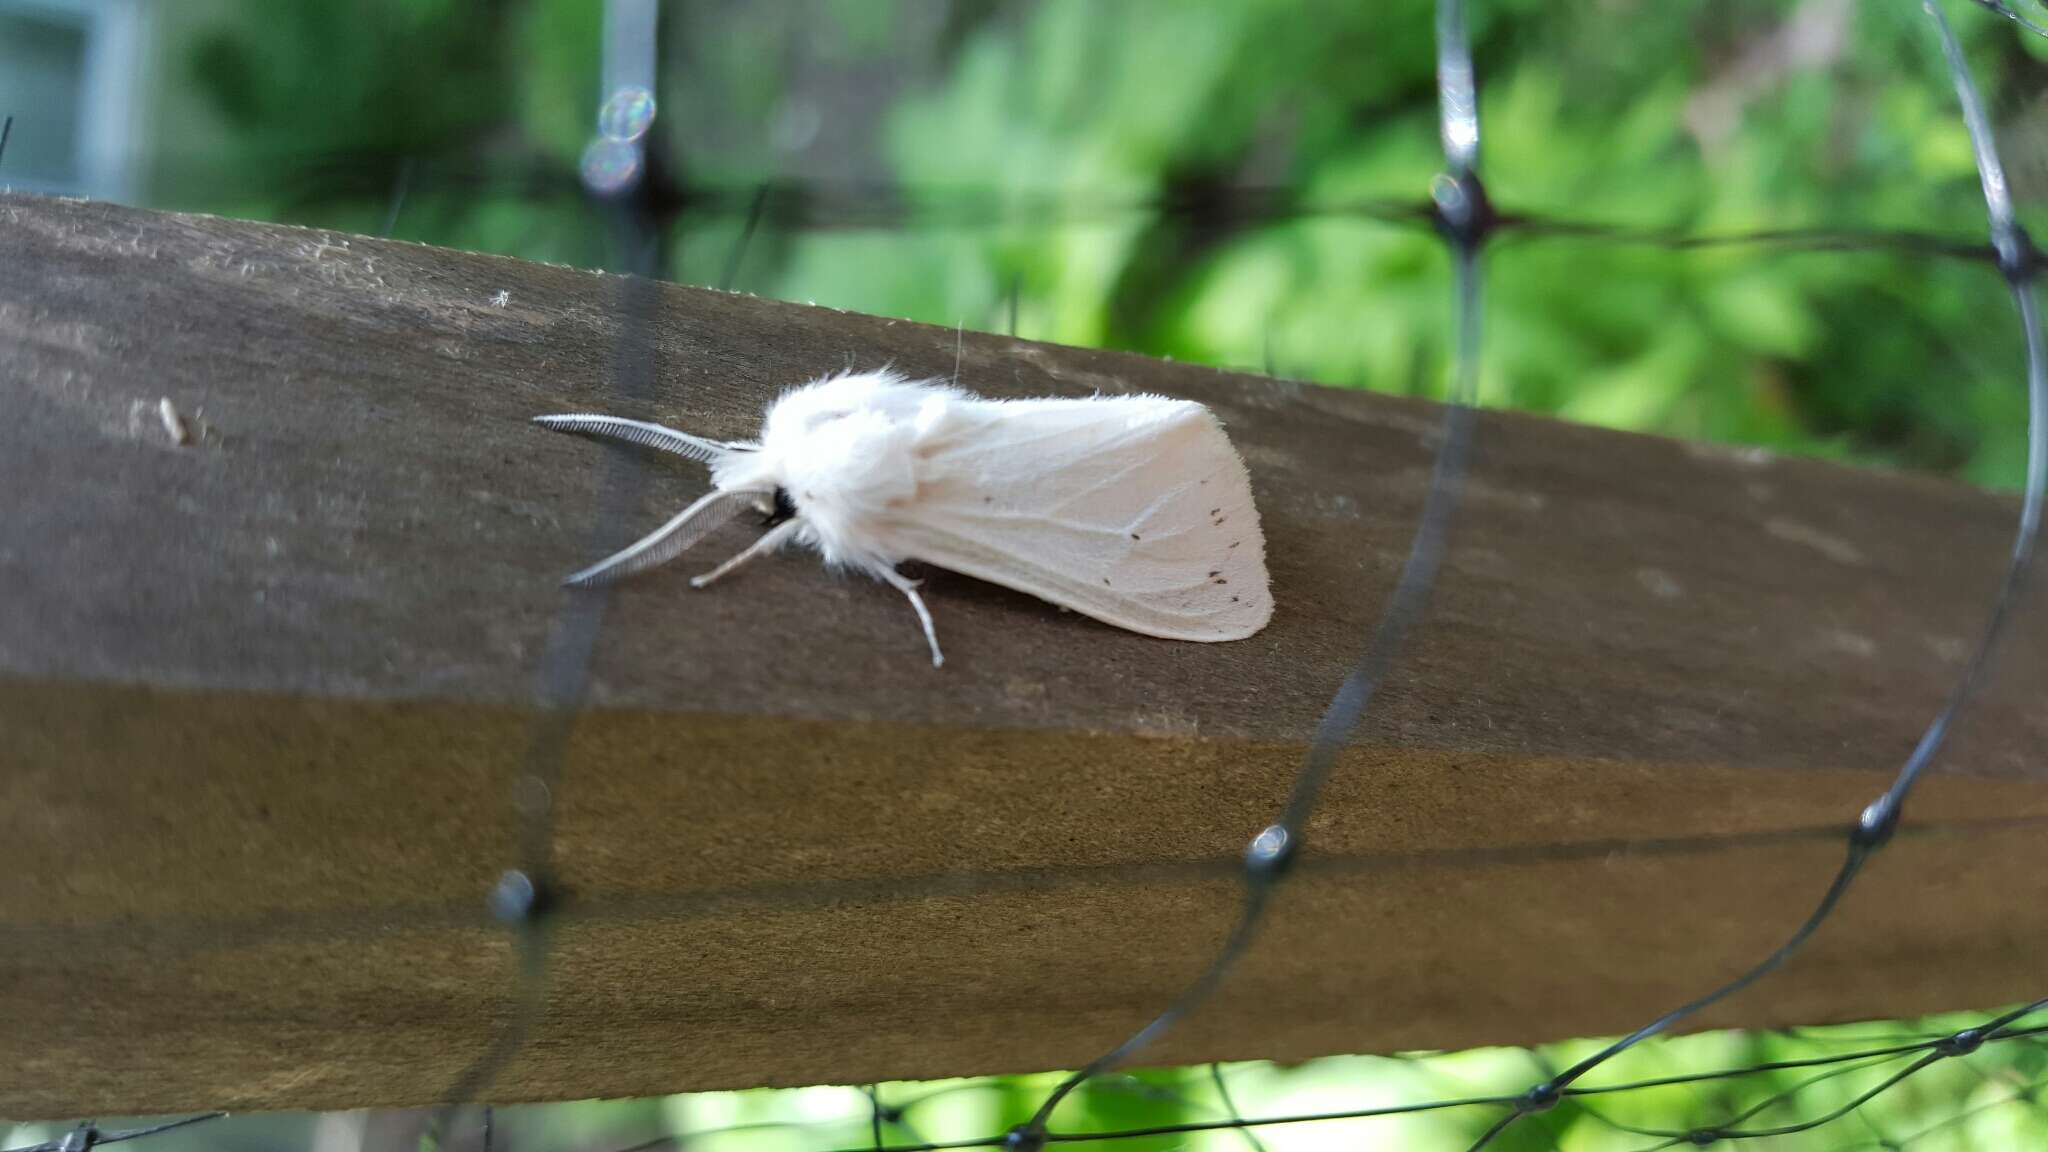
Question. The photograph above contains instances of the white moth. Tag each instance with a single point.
(1134, 510)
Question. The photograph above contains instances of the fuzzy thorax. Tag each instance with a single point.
(846, 450)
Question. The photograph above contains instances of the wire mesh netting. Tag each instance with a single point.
(1968, 1080)
(1855, 1087)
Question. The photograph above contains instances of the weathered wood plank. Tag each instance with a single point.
(266, 694)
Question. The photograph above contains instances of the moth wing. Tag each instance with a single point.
(1136, 511)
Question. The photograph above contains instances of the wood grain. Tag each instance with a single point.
(266, 694)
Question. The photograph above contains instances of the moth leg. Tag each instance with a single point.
(769, 542)
(668, 541)
(908, 587)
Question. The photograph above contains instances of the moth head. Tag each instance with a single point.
(839, 442)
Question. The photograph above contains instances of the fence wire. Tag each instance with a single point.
(1822, 1092)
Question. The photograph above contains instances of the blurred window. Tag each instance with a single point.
(68, 74)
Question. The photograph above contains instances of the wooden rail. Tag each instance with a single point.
(265, 692)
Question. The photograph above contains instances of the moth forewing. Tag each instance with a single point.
(1134, 510)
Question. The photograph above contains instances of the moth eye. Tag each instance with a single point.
(785, 508)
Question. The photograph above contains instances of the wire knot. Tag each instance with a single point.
(2018, 258)
(1024, 1138)
(1464, 213)
(1269, 853)
(1875, 825)
(1540, 1098)
(79, 1139)
(1962, 1043)
(518, 898)
(1701, 1137)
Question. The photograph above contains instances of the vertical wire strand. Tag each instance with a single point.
(2016, 258)
(739, 248)
(401, 185)
(1874, 827)
(1464, 220)
(875, 1115)
(1251, 1138)
(1457, 91)
(526, 896)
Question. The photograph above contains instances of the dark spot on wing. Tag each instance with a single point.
(988, 499)
(1215, 572)
(1135, 536)
(1215, 511)
(1233, 599)
(1235, 543)
(1222, 581)
(1105, 581)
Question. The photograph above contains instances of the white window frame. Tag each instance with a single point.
(110, 88)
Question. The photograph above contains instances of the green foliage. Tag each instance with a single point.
(1692, 1082)
(1065, 119)
(1881, 357)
